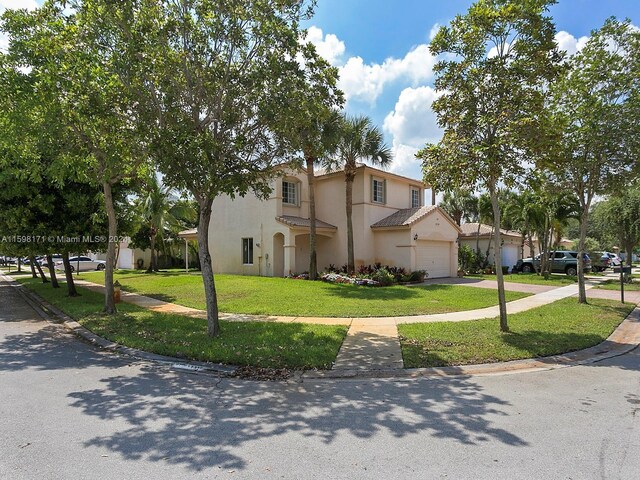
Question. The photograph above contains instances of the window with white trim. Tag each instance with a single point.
(247, 251)
(378, 190)
(289, 192)
(415, 197)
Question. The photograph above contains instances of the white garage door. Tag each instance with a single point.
(434, 257)
(509, 255)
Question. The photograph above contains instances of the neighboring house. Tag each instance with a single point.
(480, 236)
(128, 258)
(391, 226)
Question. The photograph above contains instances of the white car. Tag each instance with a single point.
(85, 264)
(615, 259)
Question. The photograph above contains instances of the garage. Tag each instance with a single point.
(434, 257)
(510, 255)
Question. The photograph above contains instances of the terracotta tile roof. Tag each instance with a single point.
(292, 221)
(404, 217)
(471, 230)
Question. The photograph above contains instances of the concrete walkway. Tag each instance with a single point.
(372, 343)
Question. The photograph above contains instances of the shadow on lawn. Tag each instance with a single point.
(383, 293)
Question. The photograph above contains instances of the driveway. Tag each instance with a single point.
(68, 411)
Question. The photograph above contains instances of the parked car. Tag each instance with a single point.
(85, 264)
(600, 261)
(564, 261)
(57, 258)
(615, 259)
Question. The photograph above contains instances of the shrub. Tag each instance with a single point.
(383, 277)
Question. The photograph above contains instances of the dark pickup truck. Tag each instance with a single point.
(564, 261)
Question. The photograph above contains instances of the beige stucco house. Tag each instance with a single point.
(480, 236)
(391, 225)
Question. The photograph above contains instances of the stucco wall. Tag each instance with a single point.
(484, 243)
(393, 248)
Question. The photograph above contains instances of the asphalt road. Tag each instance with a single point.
(68, 411)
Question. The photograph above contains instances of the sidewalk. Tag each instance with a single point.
(372, 348)
(371, 343)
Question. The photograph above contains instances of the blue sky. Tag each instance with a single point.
(381, 49)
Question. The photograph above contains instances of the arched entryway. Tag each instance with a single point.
(278, 255)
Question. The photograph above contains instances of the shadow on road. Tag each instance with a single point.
(190, 421)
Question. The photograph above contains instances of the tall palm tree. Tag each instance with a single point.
(358, 140)
(160, 210)
(318, 144)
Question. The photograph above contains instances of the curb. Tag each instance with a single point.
(624, 339)
(52, 314)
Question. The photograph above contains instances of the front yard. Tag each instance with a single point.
(260, 344)
(634, 286)
(282, 296)
(559, 327)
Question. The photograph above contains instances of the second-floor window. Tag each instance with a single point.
(247, 251)
(289, 193)
(377, 190)
(415, 197)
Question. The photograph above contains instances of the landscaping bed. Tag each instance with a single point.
(259, 344)
(559, 327)
(282, 296)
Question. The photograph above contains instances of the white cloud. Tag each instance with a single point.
(569, 43)
(367, 81)
(328, 46)
(28, 4)
(411, 124)
(434, 30)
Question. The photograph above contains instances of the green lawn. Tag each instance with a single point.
(555, 280)
(615, 285)
(261, 344)
(282, 296)
(560, 327)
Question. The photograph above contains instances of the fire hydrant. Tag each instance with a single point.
(116, 292)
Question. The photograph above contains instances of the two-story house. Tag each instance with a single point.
(391, 225)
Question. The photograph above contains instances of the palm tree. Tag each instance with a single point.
(358, 140)
(459, 204)
(161, 210)
(318, 144)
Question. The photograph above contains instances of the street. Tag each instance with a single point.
(69, 411)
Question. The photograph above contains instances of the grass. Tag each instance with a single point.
(281, 296)
(555, 279)
(261, 344)
(559, 327)
(615, 285)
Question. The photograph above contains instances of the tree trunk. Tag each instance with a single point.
(313, 260)
(497, 255)
(433, 196)
(211, 299)
(32, 264)
(20, 265)
(52, 272)
(109, 301)
(153, 263)
(42, 275)
(584, 218)
(68, 273)
(349, 206)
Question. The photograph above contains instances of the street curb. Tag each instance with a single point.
(624, 339)
(54, 315)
